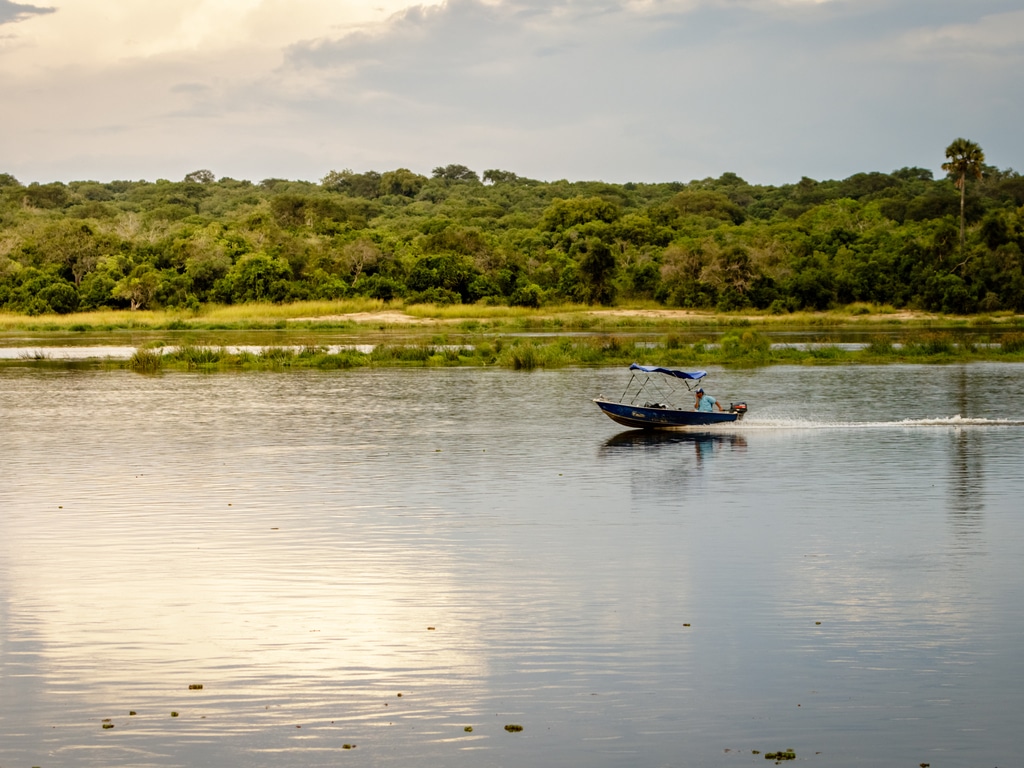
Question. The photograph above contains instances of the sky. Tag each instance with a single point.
(616, 91)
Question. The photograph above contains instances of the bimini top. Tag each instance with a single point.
(694, 375)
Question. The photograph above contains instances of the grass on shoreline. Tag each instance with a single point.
(488, 338)
(372, 314)
(748, 348)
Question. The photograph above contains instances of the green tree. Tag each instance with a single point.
(202, 176)
(54, 195)
(965, 158)
(71, 245)
(498, 176)
(455, 172)
(597, 267)
(139, 287)
(562, 213)
(401, 181)
(61, 296)
(351, 183)
(707, 203)
(447, 271)
(259, 277)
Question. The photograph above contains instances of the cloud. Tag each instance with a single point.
(629, 90)
(11, 12)
(655, 89)
(991, 36)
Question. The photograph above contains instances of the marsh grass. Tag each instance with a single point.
(827, 353)
(146, 360)
(520, 357)
(931, 345)
(739, 347)
(196, 356)
(749, 347)
(277, 356)
(1012, 343)
(880, 346)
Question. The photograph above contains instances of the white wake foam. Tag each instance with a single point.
(753, 423)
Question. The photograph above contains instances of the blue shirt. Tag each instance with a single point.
(707, 403)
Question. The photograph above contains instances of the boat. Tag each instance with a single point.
(652, 398)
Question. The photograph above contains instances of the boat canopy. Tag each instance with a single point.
(692, 375)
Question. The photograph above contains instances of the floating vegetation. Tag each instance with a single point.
(468, 729)
(348, 746)
(513, 728)
(131, 713)
(789, 754)
(108, 725)
(195, 687)
(174, 714)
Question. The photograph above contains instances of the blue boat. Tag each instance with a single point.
(652, 401)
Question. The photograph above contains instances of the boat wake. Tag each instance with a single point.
(754, 423)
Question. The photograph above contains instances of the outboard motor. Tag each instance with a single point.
(738, 408)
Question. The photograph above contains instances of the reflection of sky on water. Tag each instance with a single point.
(287, 540)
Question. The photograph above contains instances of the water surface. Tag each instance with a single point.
(838, 575)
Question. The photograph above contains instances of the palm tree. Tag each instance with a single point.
(965, 159)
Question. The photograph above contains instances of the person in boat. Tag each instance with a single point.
(705, 403)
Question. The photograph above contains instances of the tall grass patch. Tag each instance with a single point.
(198, 357)
(1012, 343)
(748, 347)
(146, 360)
(931, 345)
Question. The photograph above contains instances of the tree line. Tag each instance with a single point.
(903, 239)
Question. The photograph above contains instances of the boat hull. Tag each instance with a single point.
(645, 417)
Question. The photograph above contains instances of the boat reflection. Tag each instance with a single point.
(704, 443)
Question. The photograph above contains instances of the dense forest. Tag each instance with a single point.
(902, 239)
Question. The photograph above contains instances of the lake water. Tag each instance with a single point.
(383, 558)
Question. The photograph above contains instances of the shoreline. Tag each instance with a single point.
(356, 316)
(335, 335)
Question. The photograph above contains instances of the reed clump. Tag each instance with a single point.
(827, 353)
(197, 357)
(748, 347)
(520, 357)
(880, 346)
(276, 356)
(146, 360)
(1012, 343)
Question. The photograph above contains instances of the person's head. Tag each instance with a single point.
(699, 391)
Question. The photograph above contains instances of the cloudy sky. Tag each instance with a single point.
(616, 90)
